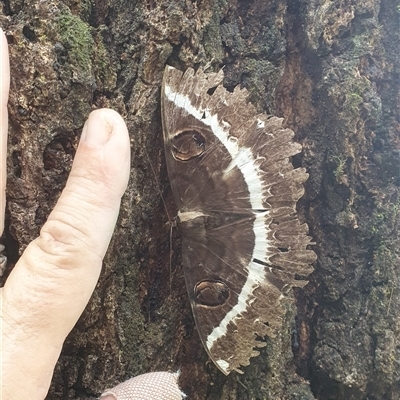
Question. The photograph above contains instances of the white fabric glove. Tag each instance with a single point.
(151, 386)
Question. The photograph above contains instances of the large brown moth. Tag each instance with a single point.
(243, 246)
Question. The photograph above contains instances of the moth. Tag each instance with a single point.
(243, 246)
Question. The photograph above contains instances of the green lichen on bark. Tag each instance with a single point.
(76, 37)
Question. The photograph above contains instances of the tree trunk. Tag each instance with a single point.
(331, 68)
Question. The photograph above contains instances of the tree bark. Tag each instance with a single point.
(331, 68)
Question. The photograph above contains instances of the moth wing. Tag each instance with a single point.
(235, 300)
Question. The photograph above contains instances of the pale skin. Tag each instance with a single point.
(53, 280)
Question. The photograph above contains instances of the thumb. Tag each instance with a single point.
(52, 282)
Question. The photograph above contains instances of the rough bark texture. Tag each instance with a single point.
(331, 68)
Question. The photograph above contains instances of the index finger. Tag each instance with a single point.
(4, 88)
